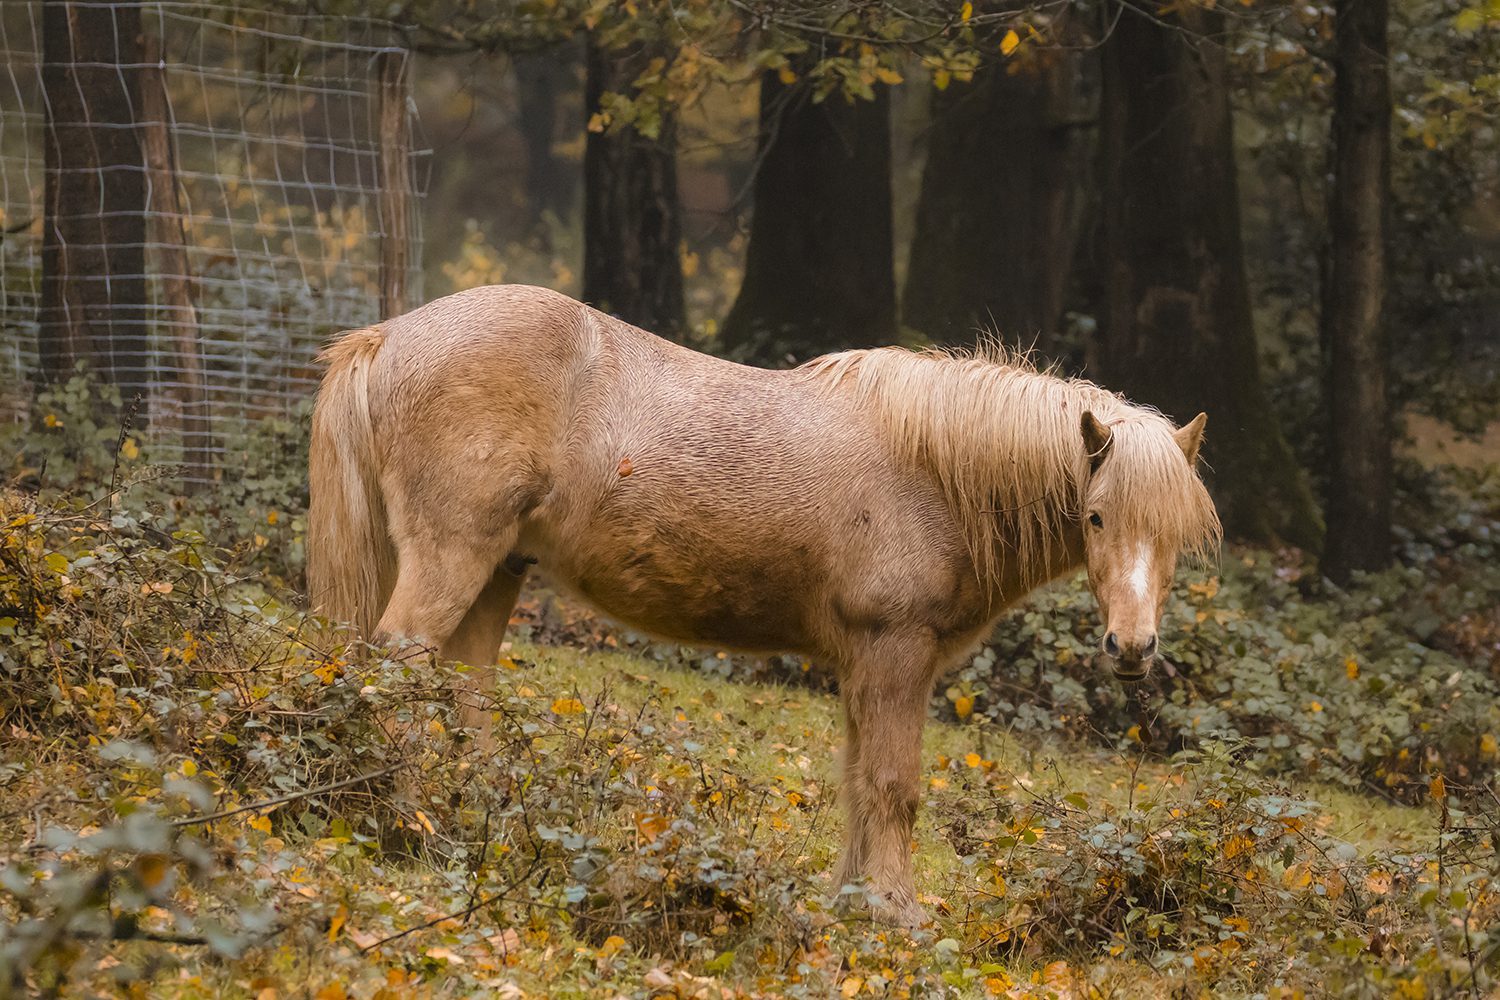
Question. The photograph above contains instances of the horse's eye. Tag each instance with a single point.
(1096, 520)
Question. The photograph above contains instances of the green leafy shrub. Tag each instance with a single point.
(84, 443)
(1223, 881)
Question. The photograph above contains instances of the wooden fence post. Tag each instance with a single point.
(395, 181)
(174, 272)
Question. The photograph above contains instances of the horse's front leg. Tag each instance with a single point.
(885, 691)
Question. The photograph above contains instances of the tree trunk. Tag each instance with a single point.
(550, 183)
(818, 272)
(1001, 202)
(94, 295)
(1177, 323)
(1359, 444)
(632, 225)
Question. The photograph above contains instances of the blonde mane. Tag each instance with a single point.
(1003, 441)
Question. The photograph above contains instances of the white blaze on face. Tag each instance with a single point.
(1140, 572)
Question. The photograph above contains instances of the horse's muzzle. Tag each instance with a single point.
(1129, 671)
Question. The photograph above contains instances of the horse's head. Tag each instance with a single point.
(1142, 506)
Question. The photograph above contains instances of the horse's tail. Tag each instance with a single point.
(351, 561)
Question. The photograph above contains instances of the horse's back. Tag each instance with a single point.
(686, 495)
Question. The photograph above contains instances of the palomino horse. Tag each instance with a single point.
(875, 510)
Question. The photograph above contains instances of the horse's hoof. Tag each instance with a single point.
(909, 914)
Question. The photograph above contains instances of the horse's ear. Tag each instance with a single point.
(1097, 439)
(1190, 437)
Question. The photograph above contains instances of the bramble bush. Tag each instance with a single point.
(214, 771)
(83, 441)
(193, 766)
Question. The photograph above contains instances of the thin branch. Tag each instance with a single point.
(457, 914)
(283, 799)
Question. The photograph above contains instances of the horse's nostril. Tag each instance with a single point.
(1149, 649)
(1112, 644)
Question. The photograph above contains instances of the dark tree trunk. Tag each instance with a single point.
(540, 77)
(818, 271)
(632, 225)
(1177, 330)
(1001, 202)
(94, 301)
(1354, 337)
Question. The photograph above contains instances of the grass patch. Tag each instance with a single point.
(208, 794)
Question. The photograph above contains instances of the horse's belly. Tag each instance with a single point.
(706, 619)
(709, 596)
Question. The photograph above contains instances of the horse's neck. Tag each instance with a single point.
(1064, 556)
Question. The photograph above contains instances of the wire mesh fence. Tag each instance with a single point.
(194, 196)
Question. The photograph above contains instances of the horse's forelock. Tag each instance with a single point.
(1148, 482)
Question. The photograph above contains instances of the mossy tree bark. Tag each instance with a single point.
(94, 297)
(1359, 443)
(818, 268)
(632, 222)
(1177, 329)
(1001, 204)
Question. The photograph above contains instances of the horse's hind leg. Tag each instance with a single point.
(476, 642)
(436, 585)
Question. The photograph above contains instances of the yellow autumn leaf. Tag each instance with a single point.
(1056, 973)
(130, 449)
(567, 706)
(336, 922)
(1297, 877)
(1133, 734)
(1237, 845)
(964, 705)
(611, 944)
(889, 77)
(786, 75)
(333, 991)
(651, 825)
(965, 12)
(851, 986)
(1438, 788)
(425, 822)
(273, 517)
(152, 869)
(941, 78)
(598, 122)
(1010, 42)
(261, 823)
(1315, 706)
(1351, 667)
